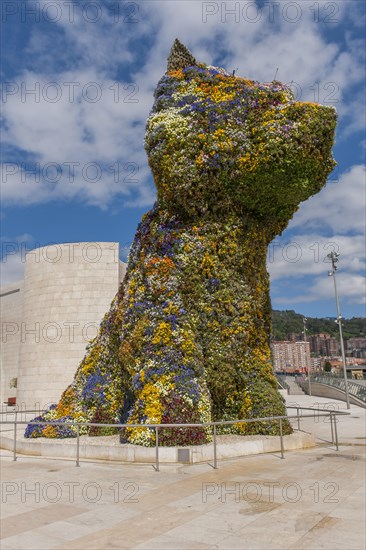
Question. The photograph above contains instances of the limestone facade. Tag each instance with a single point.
(11, 302)
(67, 289)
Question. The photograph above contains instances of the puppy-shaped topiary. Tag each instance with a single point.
(187, 336)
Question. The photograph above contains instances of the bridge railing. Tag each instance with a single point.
(355, 389)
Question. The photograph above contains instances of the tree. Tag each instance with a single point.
(327, 366)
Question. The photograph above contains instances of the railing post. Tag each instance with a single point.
(157, 448)
(331, 426)
(281, 438)
(298, 418)
(15, 438)
(214, 442)
(335, 430)
(77, 445)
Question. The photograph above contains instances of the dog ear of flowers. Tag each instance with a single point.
(186, 339)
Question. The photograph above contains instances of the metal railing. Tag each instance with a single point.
(282, 382)
(354, 389)
(316, 413)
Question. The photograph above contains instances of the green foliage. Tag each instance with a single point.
(284, 322)
(327, 366)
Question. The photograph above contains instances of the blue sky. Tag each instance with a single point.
(78, 81)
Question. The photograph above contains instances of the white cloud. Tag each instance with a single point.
(12, 269)
(13, 252)
(103, 43)
(110, 133)
(351, 289)
(334, 220)
(67, 137)
(307, 255)
(340, 206)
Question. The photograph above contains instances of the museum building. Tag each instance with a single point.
(48, 318)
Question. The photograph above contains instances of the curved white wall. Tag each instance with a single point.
(11, 305)
(67, 290)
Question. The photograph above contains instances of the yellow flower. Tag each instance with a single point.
(163, 334)
(207, 265)
(171, 309)
(176, 74)
(221, 92)
(49, 431)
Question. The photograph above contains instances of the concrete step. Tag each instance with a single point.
(294, 388)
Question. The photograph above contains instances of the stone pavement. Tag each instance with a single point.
(313, 499)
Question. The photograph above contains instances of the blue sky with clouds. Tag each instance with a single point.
(78, 80)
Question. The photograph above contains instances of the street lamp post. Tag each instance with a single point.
(333, 256)
(306, 357)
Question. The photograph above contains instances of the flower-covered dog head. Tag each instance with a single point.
(218, 143)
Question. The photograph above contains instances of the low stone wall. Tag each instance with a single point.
(109, 448)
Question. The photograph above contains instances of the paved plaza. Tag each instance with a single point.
(312, 499)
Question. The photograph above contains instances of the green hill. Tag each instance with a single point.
(287, 321)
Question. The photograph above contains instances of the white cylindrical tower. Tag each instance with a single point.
(11, 303)
(67, 290)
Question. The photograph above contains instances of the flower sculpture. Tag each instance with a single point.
(187, 337)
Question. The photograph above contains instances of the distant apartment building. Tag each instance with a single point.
(356, 344)
(331, 347)
(324, 344)
(316, 363)
(317, 343)
(290, 356)
(360, 353)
